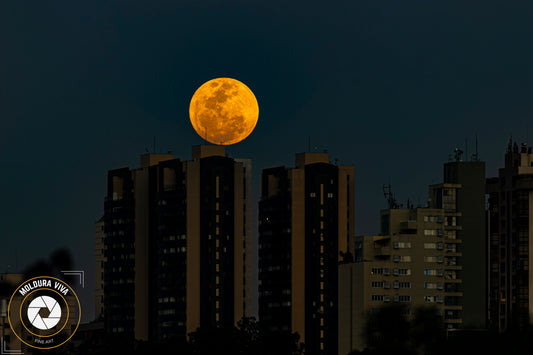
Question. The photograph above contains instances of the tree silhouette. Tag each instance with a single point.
(387, 331)
(427, 330)
(59, 260)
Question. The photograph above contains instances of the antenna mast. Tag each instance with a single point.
(475, 156)
(389, 196)
(466, 148)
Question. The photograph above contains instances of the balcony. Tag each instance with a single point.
(383, 251)
(411, 224)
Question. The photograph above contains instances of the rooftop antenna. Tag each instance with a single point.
(389, 196)
(466, 148)
(458, 154)
(475, 156)
(154, 145)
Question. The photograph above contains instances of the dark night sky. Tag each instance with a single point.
(388, 86)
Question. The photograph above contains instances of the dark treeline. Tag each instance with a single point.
(248, 337)
(390, 331)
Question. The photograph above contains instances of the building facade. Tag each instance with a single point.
(99, 260)
(510, 233)
(176, 239)
(414, 262)
(462, 197)
(306, 222)
(9, 341)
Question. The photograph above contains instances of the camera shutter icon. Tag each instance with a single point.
(44, 323)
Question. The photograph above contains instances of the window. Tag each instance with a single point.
(380, 271)
(433, 259)
(402, 258)
(430, 245)
(451, 221)
(402, 272)
(433, 219)
(377, 284)
(433, 272)
(402, 245)
(451, 234)
(451, 261)
(433, 285)
(451, 248)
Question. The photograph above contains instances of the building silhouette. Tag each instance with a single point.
(431, 256)
(306, 222)
(466, 179)
(9, 341)
(510, 229)
(413, 262)
(176, 244)
(99, 260)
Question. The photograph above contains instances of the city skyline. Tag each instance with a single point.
(86, 87)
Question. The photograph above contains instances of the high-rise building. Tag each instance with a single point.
(510, 233)
(470, 212)
(9, 342)
(176, 242)
(413, 262)
(99, 261)
(306, 222)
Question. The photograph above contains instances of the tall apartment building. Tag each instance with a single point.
(462, 196)
(10, 343)
(176, 239)
(99, 261)
(510, 233)
(306, 219)
(414, 261)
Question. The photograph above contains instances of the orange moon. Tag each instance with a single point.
(223, 111)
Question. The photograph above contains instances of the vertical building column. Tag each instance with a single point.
(142, 206)
(238, 256)
(530, 254)
(297, 178)
(346, 209)
(193, 245)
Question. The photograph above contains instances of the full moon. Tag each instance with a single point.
(223, 111)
